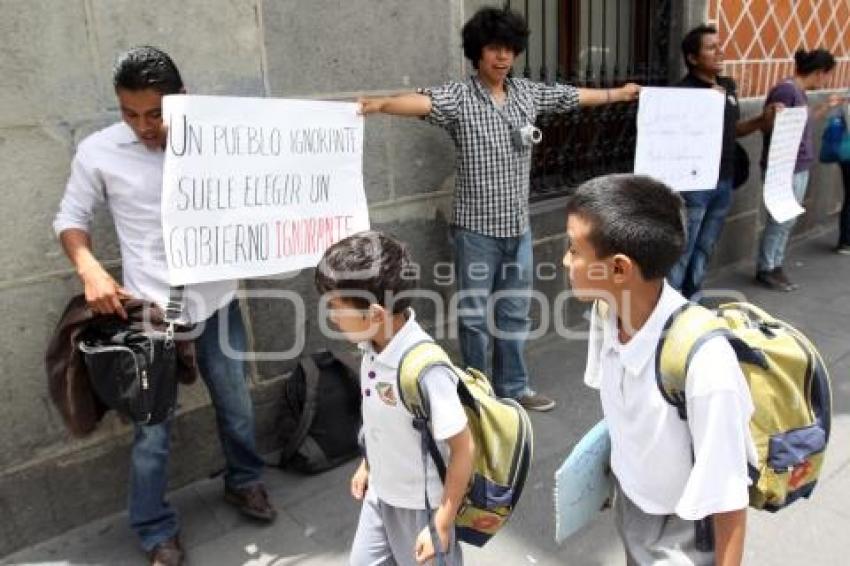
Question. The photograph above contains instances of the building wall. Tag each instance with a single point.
(55, 60)
(760, 37)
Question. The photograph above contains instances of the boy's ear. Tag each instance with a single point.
(622, 268)
(376, 312)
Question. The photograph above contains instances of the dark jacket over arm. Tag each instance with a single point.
(67, 376)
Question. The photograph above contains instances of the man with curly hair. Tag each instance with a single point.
(490, 117)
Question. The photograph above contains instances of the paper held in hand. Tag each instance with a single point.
(255, 186)
(680, 136)
(583, 484)
(779, 196)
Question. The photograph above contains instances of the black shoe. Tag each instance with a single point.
(779, 273)
(167, 553)
(252, 501)
(769, 280)
(843, 249)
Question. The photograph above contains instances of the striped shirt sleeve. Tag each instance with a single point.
(553, 98)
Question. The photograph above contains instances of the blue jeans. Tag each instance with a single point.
(774, 239)
(844, 218)
(707, 212)
(503, 266)
(152, 518)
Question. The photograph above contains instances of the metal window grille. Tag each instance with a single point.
(594, 44)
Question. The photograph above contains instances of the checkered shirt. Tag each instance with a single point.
(492, 178)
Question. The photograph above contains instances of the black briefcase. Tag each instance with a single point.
(133, 371)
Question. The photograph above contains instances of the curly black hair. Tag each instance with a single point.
(146, 67)
(500, 26)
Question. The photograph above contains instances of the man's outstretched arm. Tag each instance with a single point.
(408, 104)
(600, 96)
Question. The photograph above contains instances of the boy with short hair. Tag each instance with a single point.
(366, 281)
(625, 233)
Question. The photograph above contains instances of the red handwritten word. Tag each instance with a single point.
(308, 236)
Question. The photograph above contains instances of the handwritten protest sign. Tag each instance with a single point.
(680, 136)
(781, 158)
(255, 187)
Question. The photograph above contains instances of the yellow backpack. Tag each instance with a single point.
(788, 382)
(503, 439)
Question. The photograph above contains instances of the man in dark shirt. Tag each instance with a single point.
(707, 209)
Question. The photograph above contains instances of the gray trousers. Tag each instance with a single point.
(656, 540)
(386, 536)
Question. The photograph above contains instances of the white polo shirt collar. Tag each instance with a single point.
(640, 350)
(408, 336)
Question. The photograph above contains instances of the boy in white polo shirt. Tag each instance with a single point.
(677, 481)
(368, 282)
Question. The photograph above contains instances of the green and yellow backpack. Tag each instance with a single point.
(788, 382)
(503, 439)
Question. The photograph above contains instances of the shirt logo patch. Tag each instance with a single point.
(386, 393)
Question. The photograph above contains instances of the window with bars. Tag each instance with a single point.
(595, 44)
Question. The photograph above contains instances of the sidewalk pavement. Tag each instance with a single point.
(318, 517)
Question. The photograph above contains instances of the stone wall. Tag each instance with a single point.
(55, 60)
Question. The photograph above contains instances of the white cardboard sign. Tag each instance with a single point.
(779, 196)
(680, 136)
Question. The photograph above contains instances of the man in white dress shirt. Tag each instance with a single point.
(121, 167)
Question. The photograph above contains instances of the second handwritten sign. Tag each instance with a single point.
(680, 136)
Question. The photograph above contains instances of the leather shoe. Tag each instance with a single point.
(771, 281)
(167, 553)
(252, 501)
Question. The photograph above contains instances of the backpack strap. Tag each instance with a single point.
(414, 363)
(689, 327)
(311, 388)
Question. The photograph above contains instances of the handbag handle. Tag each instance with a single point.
(173, 311)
